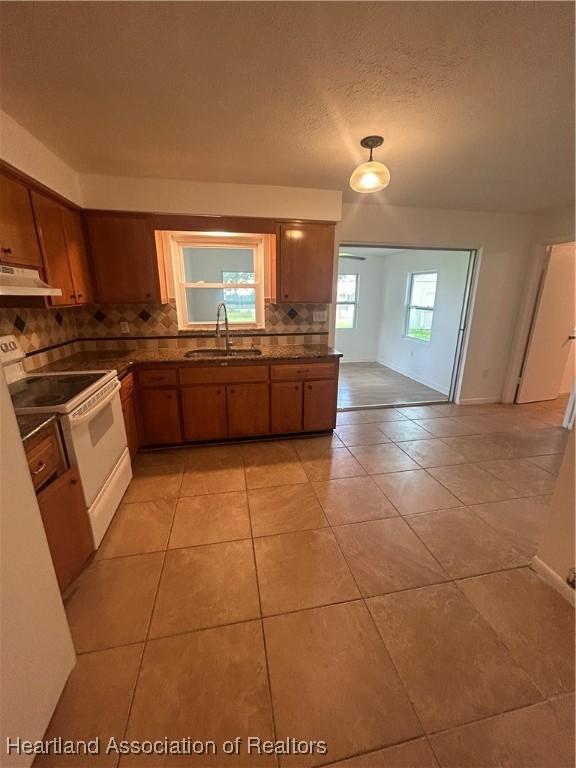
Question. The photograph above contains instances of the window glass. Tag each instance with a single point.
(420, 307)
(346, 301)
(424, 289)
(206, 265)
(201, 304)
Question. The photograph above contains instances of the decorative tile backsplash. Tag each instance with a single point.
(160, 320)
(38, 328)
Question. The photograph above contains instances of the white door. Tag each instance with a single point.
(552, 333)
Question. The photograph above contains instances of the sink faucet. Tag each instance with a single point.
(219, 309)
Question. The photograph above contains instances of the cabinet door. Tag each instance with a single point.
(131, 425)
(286, 406)
(67, 527)
(248, 409)
(204, 412)
(48, 215)
(124, 256)
(77, 256)
(18, 239)
(320, 402)
(306, 263)
(159, 414)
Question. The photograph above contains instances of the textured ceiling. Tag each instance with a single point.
(475, 100)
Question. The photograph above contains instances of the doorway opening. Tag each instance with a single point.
(400, 320)
(548, 370)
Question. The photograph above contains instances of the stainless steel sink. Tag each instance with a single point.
(219, 352)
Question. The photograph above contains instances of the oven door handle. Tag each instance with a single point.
(76, 421)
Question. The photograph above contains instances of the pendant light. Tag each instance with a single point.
(371, 176)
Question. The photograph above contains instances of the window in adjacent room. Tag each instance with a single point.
(209, 270)
(420, 305)
(346, 300)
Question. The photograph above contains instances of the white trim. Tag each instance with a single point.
(255, 243)
(555, 581)
(477, 400)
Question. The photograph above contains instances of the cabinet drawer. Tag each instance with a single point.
(223, 374)
(44, 460)
(158, 377)
(294, 372)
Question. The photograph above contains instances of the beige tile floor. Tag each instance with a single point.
(371, 589)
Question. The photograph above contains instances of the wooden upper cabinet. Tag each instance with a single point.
(48, 215)
(126, 264)
(78, 256)
(305, 268)
(18, 239)
(63, 250)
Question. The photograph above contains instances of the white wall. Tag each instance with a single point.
(504, 241)
(198, 197)
(25, 152)
(36, 651)
(431, 362)
(360, 344)
(556, 551)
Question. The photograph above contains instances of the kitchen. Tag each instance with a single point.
(200, 385)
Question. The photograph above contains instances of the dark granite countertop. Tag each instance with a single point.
(122, 360)
(30, 424)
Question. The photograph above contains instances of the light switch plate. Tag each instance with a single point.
(124, 327)
(320, 317)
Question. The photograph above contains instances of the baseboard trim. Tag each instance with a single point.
(555, 581)
(432, 385)
(478, 400)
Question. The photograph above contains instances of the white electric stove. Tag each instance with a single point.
(92, 423)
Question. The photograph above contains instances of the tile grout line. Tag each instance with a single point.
(363, 599)
(263, 633)
(145, 642)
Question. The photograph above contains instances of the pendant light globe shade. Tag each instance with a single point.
(370, 177)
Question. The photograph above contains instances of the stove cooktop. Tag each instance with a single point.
(52, 390)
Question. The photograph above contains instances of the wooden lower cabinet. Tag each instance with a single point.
(248, 409)
(67, 527)
(286, 407)
(204, 412)
(131, 425)
(214, 403)
(320, 403)
(159, 416)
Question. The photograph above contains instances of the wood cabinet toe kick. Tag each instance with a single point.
(177, 404)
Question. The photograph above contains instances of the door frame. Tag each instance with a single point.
(466, 314)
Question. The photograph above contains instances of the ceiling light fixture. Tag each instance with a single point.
(371, 176)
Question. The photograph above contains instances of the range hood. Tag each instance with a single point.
(16, 281)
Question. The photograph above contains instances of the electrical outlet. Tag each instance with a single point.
(124, 327)
(320, 317)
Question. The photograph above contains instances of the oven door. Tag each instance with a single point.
(96, 438)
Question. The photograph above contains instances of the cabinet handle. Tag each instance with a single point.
(218, 391)
(72, 296)
(80, 296)
(148, 295)
(232, 391)
(7, 250)
(309, 386)
(156, 378)
(73, 481)
(39, 469)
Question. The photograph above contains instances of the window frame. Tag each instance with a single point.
(348, 303)
(409, 306)
(256, 243)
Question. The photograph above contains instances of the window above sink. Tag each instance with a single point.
(223, 267)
